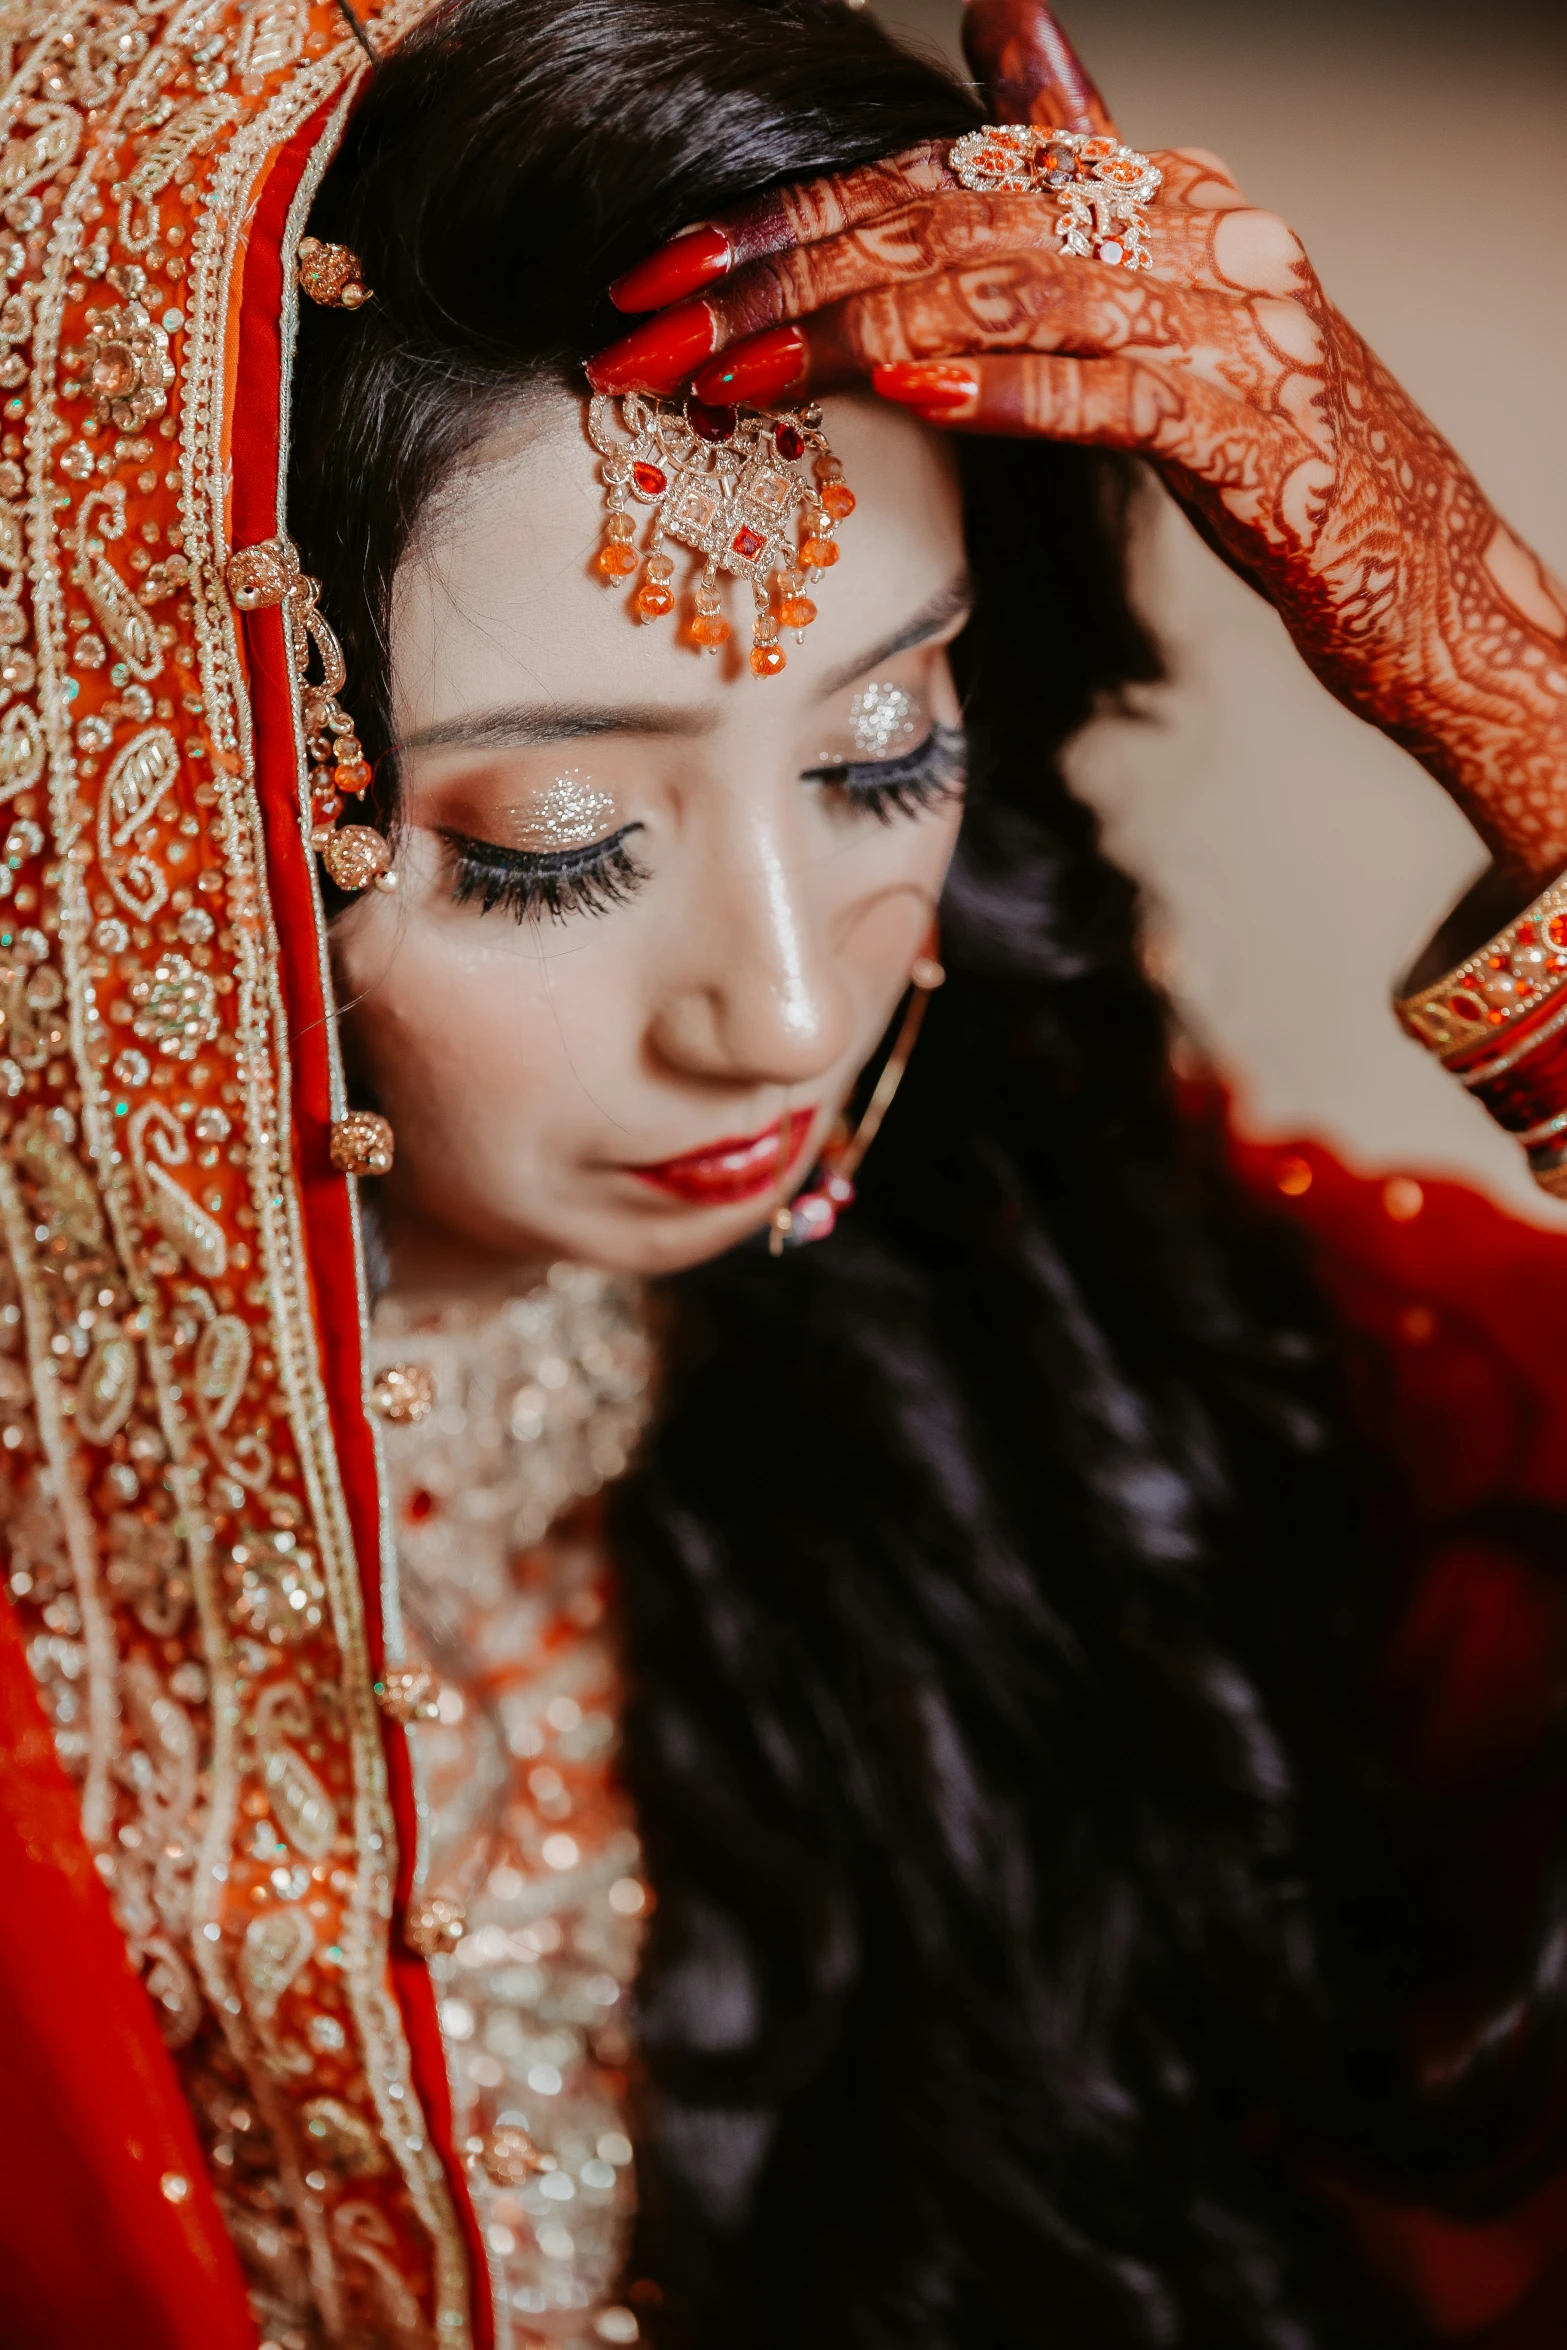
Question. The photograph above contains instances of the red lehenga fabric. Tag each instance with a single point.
(193, 1509)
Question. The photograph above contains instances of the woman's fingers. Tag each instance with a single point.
(915, 242)
(746, 320)
(1015, 302)
(780, 220)
(1116, 403)
(1029, 69)
(1196, 178)
(1215, 456)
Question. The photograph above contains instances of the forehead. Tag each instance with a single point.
(496, 600)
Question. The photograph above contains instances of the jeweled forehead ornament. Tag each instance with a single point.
(1100, 185)
(728, 483)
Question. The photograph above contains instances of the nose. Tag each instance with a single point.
(757, 996)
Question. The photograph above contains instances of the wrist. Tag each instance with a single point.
(1497, 1018)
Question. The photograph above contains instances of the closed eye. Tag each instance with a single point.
(934, 771)
(530, 883)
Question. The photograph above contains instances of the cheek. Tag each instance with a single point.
(485, 1047)
(901, 869)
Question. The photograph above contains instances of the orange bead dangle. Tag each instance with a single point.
(708, 627)
(836, 497)
(617, 557)
(818, 547)
(655, 597)
(767, 654)
(795, 608)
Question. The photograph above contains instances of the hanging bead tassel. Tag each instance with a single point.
(818, 550)
(617, 557)
(709, 628)
(767, 654)
(795, 609)
(837, 499)
(655, 597)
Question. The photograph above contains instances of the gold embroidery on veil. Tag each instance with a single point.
(178, 1542)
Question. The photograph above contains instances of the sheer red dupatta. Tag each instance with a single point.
(201, 1800)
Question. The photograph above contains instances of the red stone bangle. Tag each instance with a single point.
(1498, 1021)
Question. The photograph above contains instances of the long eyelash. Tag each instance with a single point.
(935, 770)
(529, 884)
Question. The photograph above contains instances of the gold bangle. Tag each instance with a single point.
(1498, 986)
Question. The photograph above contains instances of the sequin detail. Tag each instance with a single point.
(882, 720)
(531, 1843)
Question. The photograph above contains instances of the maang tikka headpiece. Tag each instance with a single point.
(727, 482)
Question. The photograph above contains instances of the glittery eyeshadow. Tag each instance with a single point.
(882, 721)
(568, 813)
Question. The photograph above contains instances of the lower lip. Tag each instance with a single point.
(732, 1171)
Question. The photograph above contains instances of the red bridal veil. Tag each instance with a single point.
(188, 1479)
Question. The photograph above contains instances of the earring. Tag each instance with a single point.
(813, 1212)
(355, 855)
(725, 482)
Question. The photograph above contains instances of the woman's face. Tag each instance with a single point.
(653, 913)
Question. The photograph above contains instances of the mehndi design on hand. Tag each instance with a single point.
(1292, 448)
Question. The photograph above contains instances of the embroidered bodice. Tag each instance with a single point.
(531, 1897)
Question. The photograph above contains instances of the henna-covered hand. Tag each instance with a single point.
(1297, 454)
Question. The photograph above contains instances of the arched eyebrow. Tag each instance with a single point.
(517, 726)
(953, 602)
(521, 725)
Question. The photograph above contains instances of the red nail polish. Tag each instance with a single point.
(937, 385)
(677, 269)
(657, 357)
(757, 371)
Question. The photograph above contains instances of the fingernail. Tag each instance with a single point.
(659, 356)
(940, 385)
(755, 372)
(677, 269)
(1029, 68)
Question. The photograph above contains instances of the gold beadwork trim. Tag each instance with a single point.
(216, 1414)
(1522, 967)
(1473, 1078)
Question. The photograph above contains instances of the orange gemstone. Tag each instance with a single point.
(818, 554)
(1556, 930)
(796, 611)
(767, 660)
(352, 776)
(709, 630)
(326, 807)
(838, 499)
(615, 561)
(652, 601)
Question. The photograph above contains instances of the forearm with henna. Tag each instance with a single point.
(1402, 588)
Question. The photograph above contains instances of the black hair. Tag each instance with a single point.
(1028, 1931)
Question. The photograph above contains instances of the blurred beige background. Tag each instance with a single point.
(1293, 859)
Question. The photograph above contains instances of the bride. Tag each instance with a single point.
(751, 1644)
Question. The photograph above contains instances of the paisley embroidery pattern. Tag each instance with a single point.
(175, 1538)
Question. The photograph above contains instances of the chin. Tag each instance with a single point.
(654, 1244)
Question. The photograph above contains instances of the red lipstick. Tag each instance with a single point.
(725, 1172)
